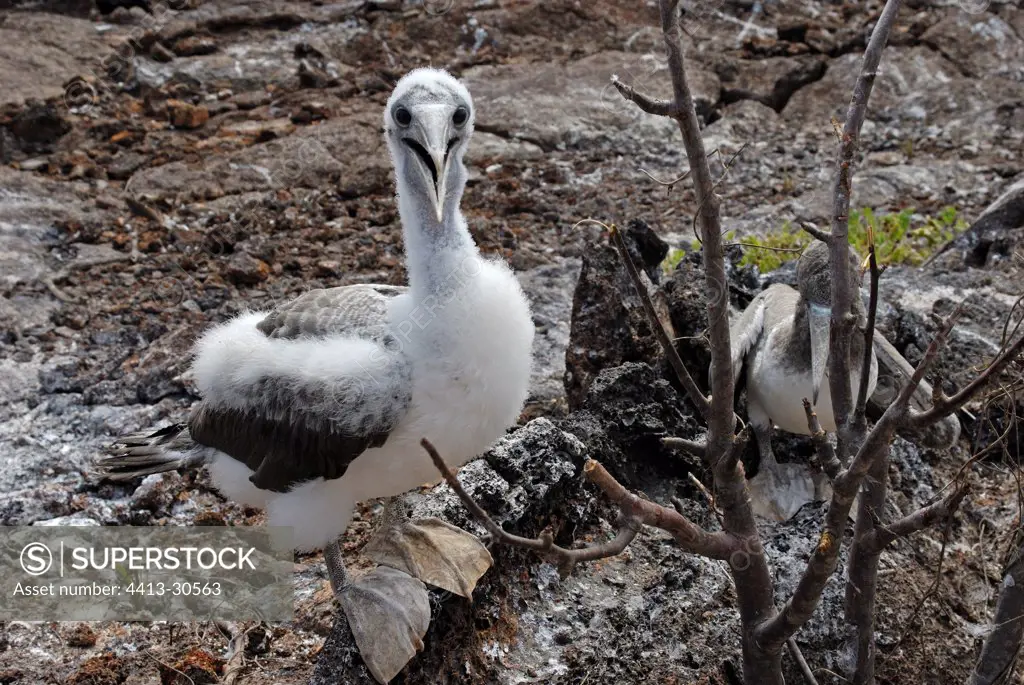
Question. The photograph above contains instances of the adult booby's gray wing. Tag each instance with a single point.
(767, 310)
(289, 429)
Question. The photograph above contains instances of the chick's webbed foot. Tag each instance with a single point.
(388, 613)
(430, 549)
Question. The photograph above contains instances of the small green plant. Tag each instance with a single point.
(899, 238)
(676, 254)
(773, 250)
(672, 259)
(908, 148)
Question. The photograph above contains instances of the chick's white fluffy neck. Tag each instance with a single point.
(436, 252)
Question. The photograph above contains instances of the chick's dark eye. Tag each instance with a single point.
(460, 116)
(402, 116)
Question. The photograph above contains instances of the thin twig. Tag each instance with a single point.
(842, 288)
(805, 669)
(707, 496)
(769, 248)
(725, 171)
(826, 454)
(931, 589)
(823, 236)
(668, 184)
(692, 391)
(924, 517)
(633, 512)
(698, 449)
(859, 412)
(663, 108)
(946, 406)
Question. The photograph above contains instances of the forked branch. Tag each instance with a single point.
(944, 406)
(925, 517)
(822, 564)
(755, 594)
(842, 288)
(633, 513)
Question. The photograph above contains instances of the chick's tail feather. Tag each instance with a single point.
(147, 452)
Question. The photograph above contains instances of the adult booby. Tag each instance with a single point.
(783, 339)
(322, 402)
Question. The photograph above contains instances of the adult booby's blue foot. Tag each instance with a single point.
(322, 402)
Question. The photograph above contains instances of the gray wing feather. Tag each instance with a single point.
(357, 310)
(294, 429)
(767, 310)
(746, 329)
(892, 363)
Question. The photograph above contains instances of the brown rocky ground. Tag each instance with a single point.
(164, 171)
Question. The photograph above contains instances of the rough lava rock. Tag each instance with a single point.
(116, 244)
(994, 234)
(527, 477)
(609, 325)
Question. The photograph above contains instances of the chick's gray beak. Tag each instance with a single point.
(819, 318)
(428, 138)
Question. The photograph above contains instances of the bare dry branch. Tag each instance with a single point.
(944, 406)
(850, 479)
(862, 565)
(633, 512)
(698, 449)
(750, 571)
(826, 454)
(669, 185)
(798, 657)
(823, 236)
(930, 592)
(925, 517)
(862, 568)
(648, 104)
(708, 215)
(688, 535)
(842, 288)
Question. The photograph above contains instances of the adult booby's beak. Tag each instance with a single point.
(819, 317)
(430, 136)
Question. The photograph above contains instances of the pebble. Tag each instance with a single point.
(244, 269)
(193, 46)
(185, 115)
